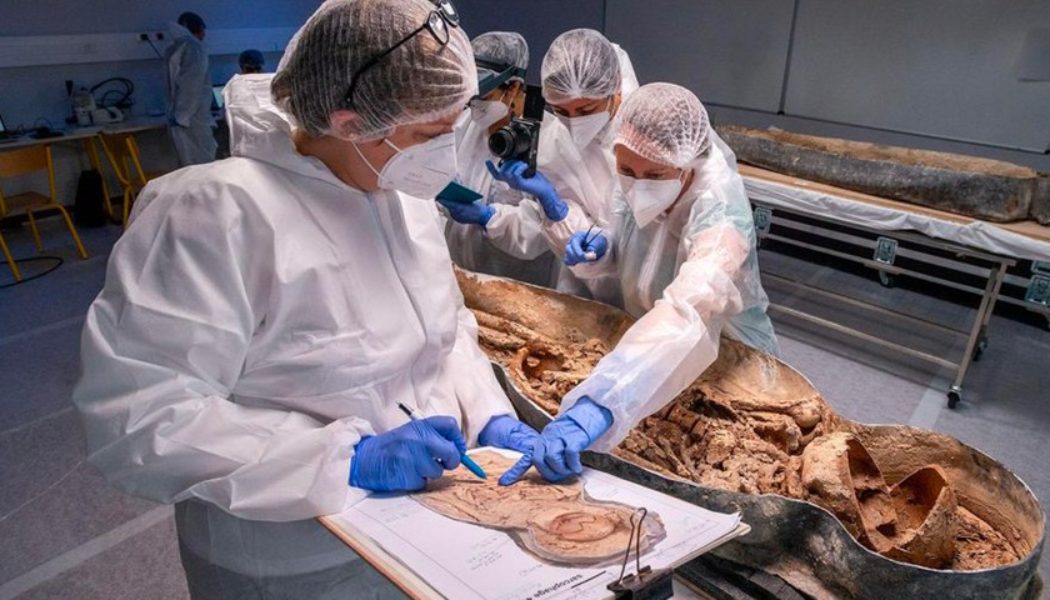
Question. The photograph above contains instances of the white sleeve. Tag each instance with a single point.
(558, 233)
(469, 372)
(162, 348)
(674, 343)
(518, 229)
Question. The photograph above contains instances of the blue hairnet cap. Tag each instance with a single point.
(251, 58)
(192, 21)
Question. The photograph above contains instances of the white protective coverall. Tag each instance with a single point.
(512, 243)
(585, 180)
(258, 318)
(189, 97)
(686, 276)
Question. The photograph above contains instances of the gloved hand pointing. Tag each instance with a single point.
(584, 247)
(562, 441)
(513, 174)
(507, 432)
(403, 459)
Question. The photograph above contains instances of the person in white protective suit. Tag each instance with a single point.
(263, 316)
(681, 251)
(189, 92)
(585, 79)
(499, 234)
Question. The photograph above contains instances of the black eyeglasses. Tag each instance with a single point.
(438, 23)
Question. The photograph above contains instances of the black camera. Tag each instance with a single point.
(521, 139)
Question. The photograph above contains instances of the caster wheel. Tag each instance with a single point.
(887, 280)
(953, 399)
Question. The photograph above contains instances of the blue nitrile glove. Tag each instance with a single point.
(476, 213)
(513, 174)
(577, 252)
(507, 432)
(562, 441)
(404, 458)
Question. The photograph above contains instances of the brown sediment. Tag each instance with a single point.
(749, 425)
(558, 523)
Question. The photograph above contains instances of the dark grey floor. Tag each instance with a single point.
(65, 534)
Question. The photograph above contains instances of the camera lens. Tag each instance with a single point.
(501, 143)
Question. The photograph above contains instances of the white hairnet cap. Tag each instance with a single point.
(420, 81)
(504, 47)
(664, 123)
(580, 63)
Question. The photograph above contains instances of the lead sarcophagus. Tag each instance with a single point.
(837, 508)
(976, 187)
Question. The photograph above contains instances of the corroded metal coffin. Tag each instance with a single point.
(1041, 200)
(977, 187)
(798, 540)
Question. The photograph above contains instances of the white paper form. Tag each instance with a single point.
(471, 562)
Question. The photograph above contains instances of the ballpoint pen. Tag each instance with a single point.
(467, 461)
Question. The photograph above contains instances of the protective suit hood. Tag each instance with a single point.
(261, 131)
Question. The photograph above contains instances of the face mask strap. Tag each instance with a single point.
(366, 161)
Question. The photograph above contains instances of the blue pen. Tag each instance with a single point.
(467, 461)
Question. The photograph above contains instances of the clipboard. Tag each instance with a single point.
(430, 556)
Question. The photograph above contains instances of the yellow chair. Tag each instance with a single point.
(123, 153)
(30, 160)
(10, 259)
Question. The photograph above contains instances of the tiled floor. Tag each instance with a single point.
(64, 533)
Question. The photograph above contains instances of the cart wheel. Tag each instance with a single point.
(887, 279)
(953, 398)
(982, 345)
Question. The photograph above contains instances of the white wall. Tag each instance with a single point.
(940, 74)
(30, 94)
(939, 68)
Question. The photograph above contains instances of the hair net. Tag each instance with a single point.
(505, 47)
(420, 81)
(664, 123)
(580, 63)
(251, 58)
(192, 22)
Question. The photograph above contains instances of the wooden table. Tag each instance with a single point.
(87, 137)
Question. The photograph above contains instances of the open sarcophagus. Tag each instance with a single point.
(837, 508)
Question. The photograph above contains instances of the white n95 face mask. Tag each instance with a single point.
(649, 198)
(486, 113)
(421, 170)
(584, 129)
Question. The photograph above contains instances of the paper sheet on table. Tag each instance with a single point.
(470, 562)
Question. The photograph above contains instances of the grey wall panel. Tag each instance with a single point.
(727, 51)
(540, 21)
(939, 67)
(55, 17)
